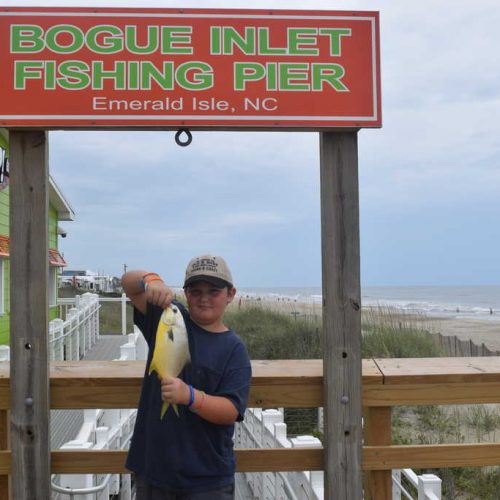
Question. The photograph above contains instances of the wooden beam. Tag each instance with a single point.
(282, 383)
(113, 461)
(341, 314)
(29, 374)
(430, 456)
(375, 458)
(100, 384)
(377, 431)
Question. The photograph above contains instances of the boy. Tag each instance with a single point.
(189, 456)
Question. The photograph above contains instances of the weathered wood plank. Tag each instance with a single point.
(101, 384)
(106, 385)
(29, 395)
(113, 461)
(440, 370)
(431, 394)
(434, 456)
(375, 458)
(341, 314)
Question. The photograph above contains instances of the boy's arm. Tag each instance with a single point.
(214, 409)
(156, 292)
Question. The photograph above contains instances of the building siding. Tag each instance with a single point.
(5, 231)
(4, 212)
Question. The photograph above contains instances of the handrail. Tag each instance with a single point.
(123, 300)
(93, 489)
(81, 491)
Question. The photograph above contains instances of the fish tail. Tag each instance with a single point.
(164, 408)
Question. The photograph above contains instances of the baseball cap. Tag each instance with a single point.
(210, 268)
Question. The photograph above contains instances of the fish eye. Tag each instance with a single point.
(174, 310)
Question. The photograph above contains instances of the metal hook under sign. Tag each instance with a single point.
(178, 134)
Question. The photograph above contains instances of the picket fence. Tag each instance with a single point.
(70, 339)
(452, 346)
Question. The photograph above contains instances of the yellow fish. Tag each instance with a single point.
(171, 352)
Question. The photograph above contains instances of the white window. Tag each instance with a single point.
(53, 285)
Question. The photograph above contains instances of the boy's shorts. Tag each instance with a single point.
(145, 491)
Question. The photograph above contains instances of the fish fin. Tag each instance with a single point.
(176, 409)
(164, 408)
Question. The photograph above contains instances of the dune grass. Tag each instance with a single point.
(387, 333)
(271, 335)
(392, 333)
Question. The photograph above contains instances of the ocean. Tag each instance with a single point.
(479, 302)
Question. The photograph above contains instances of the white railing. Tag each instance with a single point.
(70, 339)
(267, 429)
(65, 304)
(427, 486)
(103, 429)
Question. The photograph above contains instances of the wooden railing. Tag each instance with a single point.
(292, 384)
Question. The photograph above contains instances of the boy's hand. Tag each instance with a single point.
(159, 294)
(174, 390)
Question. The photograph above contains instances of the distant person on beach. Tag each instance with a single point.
(189, 456)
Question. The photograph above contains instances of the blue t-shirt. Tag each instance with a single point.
(187, 453)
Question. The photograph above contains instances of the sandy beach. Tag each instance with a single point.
(485, 331)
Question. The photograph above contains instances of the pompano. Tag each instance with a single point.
(171, 352)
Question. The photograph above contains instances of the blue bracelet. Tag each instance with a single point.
(191, 396)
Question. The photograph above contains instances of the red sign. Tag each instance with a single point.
(82, 67)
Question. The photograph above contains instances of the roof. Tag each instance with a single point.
(4, 246)
(59, 202)
(55, 258)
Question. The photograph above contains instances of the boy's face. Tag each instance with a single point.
(207, 303)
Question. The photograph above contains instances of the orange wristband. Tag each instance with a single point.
(148, 278)
(151, 277)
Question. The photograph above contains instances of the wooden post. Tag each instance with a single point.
(341, 315)
(377, 431)
(29, 373)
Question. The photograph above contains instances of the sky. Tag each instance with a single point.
(429, 179)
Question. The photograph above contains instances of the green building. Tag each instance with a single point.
(59, 210)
